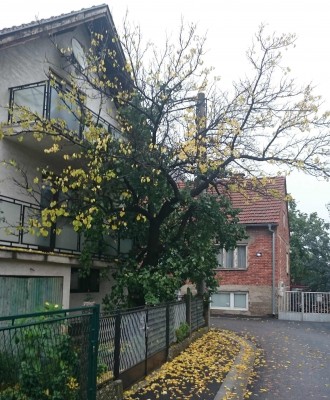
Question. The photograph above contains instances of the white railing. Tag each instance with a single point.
(304, 306)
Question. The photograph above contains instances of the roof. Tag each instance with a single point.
(260, 202)
(16, 34)
(261, 206)
(98, 18)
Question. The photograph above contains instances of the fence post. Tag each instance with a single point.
(146, 342)
(167, 329)
(116, 355)
(93, 351)
(188, 309)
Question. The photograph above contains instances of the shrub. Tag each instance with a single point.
(182, 332)
(46, 362)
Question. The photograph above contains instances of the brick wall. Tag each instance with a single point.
(259, 269)
(256, 280)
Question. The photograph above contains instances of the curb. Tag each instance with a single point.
(235, 384)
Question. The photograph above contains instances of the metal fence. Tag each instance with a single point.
(134, 342)
(63, 354)
(49, 355)
(305, 306)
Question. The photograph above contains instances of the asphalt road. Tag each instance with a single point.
(297, 357)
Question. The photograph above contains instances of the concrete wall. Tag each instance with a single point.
(78, 299)
(29, 264)
(259, 300)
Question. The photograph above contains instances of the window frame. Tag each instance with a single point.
(12, 90)
(86, 284)
(224, 253)
(231, 306)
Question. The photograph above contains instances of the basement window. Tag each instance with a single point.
(230, 301)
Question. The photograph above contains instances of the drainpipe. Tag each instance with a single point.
(273, 267)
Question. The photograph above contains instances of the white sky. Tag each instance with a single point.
(230, 26)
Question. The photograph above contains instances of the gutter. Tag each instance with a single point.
(273, 267)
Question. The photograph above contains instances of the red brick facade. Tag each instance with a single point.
(261, 216)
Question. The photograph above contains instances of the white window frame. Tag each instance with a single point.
(232, 302)
(222, 263)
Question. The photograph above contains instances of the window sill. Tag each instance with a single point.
(229, 309)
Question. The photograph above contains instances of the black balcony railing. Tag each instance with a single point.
(49, 101)
(14, 232)
(14, 218)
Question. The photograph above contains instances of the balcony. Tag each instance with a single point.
(50, 101)
(14, 217)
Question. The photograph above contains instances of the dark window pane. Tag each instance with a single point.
(88, 284)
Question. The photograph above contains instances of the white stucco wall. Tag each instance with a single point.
(30, 62)
(78, 299)
(24, 264)
(23, 64)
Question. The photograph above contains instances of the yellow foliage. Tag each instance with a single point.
(206, 360)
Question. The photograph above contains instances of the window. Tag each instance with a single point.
(233, 259)
(88, 284)
(230, 301)
(46, 99)
(32, 96)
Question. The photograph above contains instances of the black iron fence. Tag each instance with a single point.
(14, 220)
(63, 354)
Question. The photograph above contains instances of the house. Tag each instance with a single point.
(256, 272)
(35, 269)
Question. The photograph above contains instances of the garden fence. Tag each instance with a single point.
(66, 353)
(49, 355)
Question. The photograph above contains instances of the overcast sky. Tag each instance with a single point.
(230, 26)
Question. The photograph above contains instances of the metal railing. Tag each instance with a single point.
(14, 218)
(49, 355)
(52, 101)
(69, 351)
(304, 306)
(134, 342)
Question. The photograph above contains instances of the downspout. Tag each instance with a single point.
(273, 267)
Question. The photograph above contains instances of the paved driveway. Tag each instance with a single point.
(297, 357)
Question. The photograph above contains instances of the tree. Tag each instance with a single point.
(152, 182)
(309, 250)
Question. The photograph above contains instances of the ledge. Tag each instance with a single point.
(22, 254)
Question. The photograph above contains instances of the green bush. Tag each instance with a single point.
(46, 365)
(182, 332)
(8, 370)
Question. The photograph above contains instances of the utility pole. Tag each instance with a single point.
(201, 131)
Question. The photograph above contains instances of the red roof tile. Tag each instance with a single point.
(263, 205)
(260, 205)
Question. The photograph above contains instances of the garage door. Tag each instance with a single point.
(22, 294)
